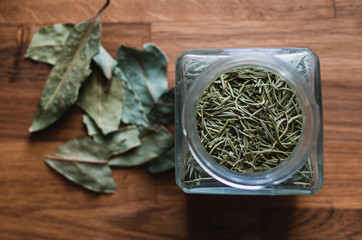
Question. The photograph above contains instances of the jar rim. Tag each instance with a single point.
(289, 166)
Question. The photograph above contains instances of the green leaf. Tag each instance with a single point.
(146, 72)
(93, 176)
(153, 144)
(61, 89)
(121, 141)
(47, 43)
(105, 62)
(92, 128)
(164, 109)
(105, 108)
(133, 112)
(163, 163)
(117, 142)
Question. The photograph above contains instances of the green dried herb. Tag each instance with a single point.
(92, 128)
(79, 161)
(119, 142)
(133, 111)
(48, 42)
(193, 172)
(163, 111)
(146, 72)
(303, 177)
(153, 144)
(105, 108)
(61, 89)
(163, 163)
(107, 64)
(249, 120)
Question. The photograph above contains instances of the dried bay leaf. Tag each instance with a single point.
(93, 176)
(163, 163)
(133, 112)
(92, 128)
(123, 140)
(163, 111)
(105, 62)
(47, 43)
(83, 147)
(153, 144)
(117, 142)
(61, 89)
(105, 108)
(146, 72)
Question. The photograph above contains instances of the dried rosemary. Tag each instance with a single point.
(249, 120)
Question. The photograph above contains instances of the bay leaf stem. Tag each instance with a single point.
(104, 7)
(70, 159)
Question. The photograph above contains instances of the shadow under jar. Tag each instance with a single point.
(301, 172)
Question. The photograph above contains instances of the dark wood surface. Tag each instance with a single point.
(36, 203)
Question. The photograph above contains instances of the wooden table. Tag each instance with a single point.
(36, 203)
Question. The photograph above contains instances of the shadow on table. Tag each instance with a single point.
(239, 217)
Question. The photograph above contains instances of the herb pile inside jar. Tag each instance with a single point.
(249, 120)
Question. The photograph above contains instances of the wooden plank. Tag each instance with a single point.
(36, 198)
(341, 103)
(46, 11)
(44, 204)
(83, 222)
(232, 219)
(303, 224)
(336, 40)
(200, 220)
(333, 40)
(14, 40)
(348, 9)
(26, 174)
(22, 80)
(130, 34)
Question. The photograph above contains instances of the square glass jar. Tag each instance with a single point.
(197, 173)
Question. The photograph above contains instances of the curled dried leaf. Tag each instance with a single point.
(133, 111)
(48, 42)
(146, 72)
(106, 63)
(153, 144)
(163, 111)
(105, 108)
(163, 163)
(61, 89)
(93, 176)
(121, 141)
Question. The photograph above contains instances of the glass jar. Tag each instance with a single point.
(197, 172)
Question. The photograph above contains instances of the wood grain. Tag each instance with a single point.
(45, 11)
(37, 203)
(348, 9)
(152, 207)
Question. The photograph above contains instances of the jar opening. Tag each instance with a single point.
(249, 119)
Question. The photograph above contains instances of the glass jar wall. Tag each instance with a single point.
(197, 172)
